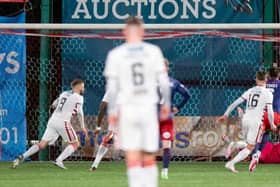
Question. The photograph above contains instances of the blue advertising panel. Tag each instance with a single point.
(12, 92)
(162, 11)
(214, 68)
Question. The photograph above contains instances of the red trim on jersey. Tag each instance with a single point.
(133, 164)
(260, 131)
(149, 163)
(73, 133)
(107, 138)
(74, 112)
(67, 131)
(259, 135)
(13, 1)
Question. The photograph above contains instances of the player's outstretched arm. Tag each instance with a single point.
(165, 88)
(112, 85)
(230, 109)
(271, 117)
(270, 112)
(81, 118)
(53, 105)
(185, 93)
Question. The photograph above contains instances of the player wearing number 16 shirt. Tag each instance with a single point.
(259, 100)
(133, 72)
(68, 104)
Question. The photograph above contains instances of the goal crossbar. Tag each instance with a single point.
(66, 26)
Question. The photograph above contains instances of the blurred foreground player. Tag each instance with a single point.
(68, 104)
(167, 126)
(134, 71)
(103, 147)
(257, 100)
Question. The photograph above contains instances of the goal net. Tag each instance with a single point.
(216, 65)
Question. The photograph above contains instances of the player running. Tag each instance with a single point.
(273, 84)
(258, 99)
(103, 147)
(134, 71)
(167, 126)
(68, 104)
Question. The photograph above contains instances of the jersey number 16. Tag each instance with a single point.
(253, 100)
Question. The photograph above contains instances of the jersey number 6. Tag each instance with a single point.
(137, 74)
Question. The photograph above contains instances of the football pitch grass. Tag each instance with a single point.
(113, 174)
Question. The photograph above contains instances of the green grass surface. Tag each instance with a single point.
(113, 174)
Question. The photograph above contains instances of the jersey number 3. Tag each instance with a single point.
(137, 74)
(253, 100)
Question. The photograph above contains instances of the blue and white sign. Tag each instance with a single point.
(162, 11)
(12, 92)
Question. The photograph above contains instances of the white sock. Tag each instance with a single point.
(66, 153)
(165, 170)
(102, 150)
(258, 153)
(31, 151)
(150, 176)
(241, 145)
(231, 146)
(241, 155)
(135, 177)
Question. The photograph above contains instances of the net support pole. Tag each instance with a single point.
(44, 64)
(268, 46)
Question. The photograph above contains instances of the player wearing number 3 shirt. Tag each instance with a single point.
(68, 104)
(259, 100)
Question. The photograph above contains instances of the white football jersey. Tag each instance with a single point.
(67, 105)
(136, 67)
(257, 99)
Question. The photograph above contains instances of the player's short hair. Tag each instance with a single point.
(261, 76)
(76, 82)
(273, 72)
(134, 20)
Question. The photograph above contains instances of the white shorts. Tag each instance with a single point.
(251, 130)
(57, 127)
(139, 128)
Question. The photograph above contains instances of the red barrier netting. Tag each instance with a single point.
(150, 34)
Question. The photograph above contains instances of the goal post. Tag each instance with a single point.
(211, 26)
(43, 97)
